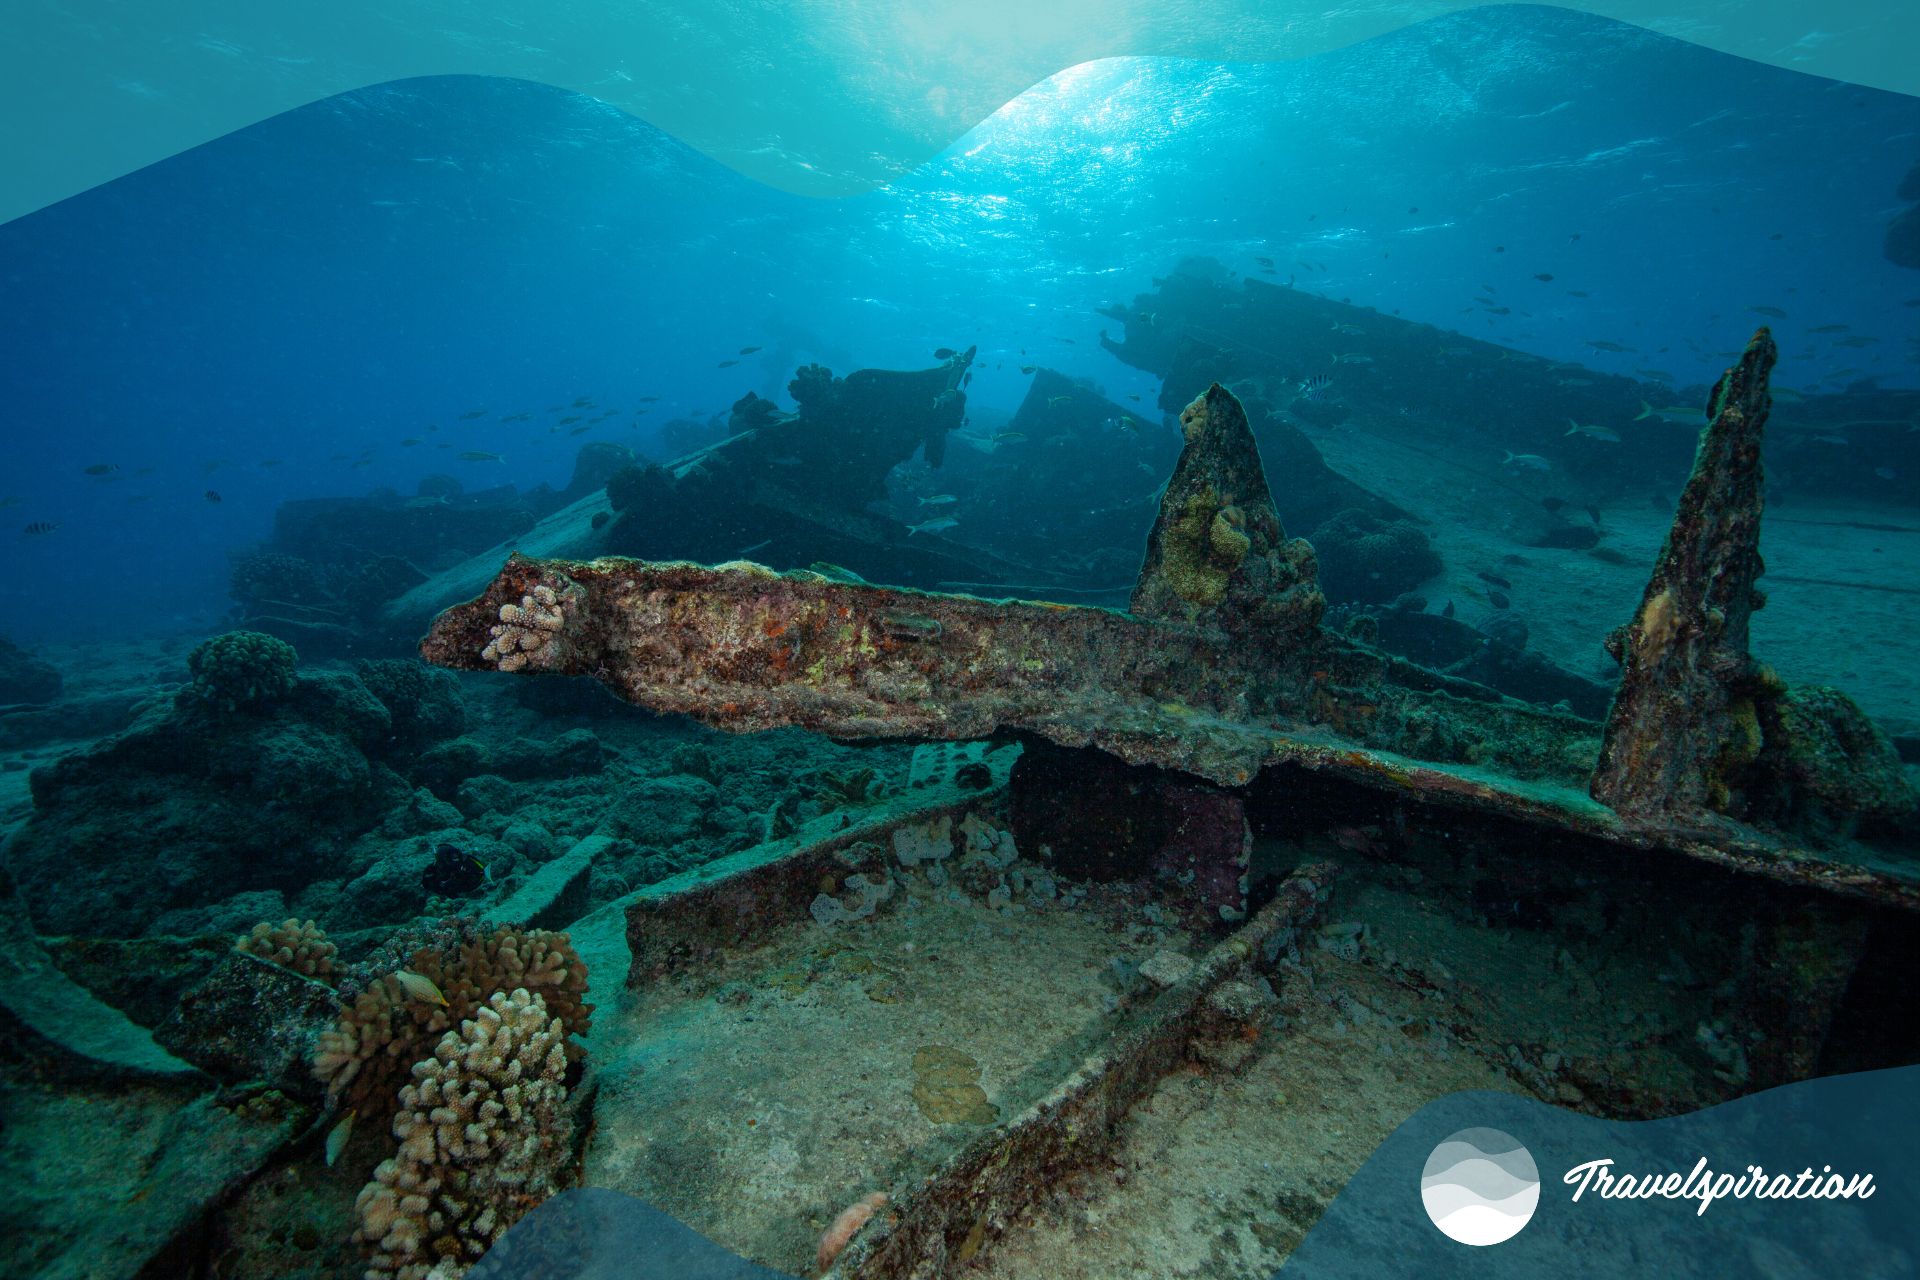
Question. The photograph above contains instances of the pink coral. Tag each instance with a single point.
(846, 1226)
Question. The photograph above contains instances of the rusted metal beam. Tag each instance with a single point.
(1687, 688)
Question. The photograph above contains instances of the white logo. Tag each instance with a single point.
(1480, 1186)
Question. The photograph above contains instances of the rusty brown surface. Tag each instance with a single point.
(1217, 549)
(991, 1181)
(1687, 681)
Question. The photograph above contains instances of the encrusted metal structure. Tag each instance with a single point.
(1221, 670)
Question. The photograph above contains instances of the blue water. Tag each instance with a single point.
(364, 270)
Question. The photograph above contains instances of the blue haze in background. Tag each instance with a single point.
(326, 284)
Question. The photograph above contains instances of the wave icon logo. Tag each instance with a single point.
(1480, 1186)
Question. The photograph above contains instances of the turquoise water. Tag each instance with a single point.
(274, 403)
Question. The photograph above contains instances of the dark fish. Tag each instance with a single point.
(581, 402)
(1133, 398)
(472, 414)
(1498, 311)
(1265, 262)
(453, 874)
(726, 364)
(103, 468)
(214, 497)
(1544, 277)
(1413, 208)
(1448, 611)
(943, 353)
(649, 399)
(1028, 368)
(1553, 504)
(747, 351)
(1593, 514)
(1494, 579)
(1499, 248)
(1578, 293)
(39, 527)
(1498, 599)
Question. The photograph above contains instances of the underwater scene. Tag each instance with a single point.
(1010, 717)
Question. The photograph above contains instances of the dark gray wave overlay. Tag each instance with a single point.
(1865, 1123)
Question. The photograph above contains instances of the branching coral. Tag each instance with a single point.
(526, 631)
(300, 945)
(364, 1057)
(485, 1136)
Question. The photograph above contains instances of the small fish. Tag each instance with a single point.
(1601, 344)
(1575, 382)
(570, 419)
(1265, 262)
(649, 399)
(270, 462)
(1830, 328)
(419, 987)
(943, 353)
(476, 455)
(1838, 441)
(1353, 357)
(409, 442)
(726, 364)
(103, 468)
(581, 402)
(1498, 311)
(933, 526)
(1133, 397)
(338, 1135)
(1544, 277)
(1856, 341)
(1028, 368)
(1348, 328)
(8, 502)
(827, 569)
(40, 528)
(1673, 413)
(214, 497)
(1498, 599)
(1578, 293)
(1526, 461)
(425, 501)
(1593, 514)
(1009, 437)
(1494, 580)
(1448, 611)
(577, 430)
(1553, 504)
(471, 414)
(1772, 312)
(1886, 473)
(747, 351)
(1315, 388)
(1054, 402)
(1592, 431)
(517, 417)
(938, 500)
